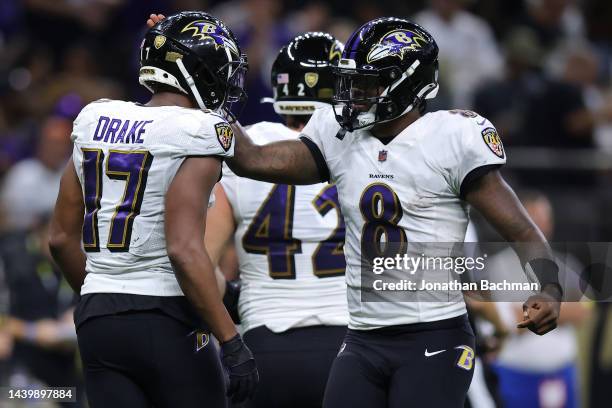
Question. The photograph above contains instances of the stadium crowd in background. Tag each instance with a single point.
(540, 70)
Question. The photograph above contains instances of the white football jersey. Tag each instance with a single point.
(125, 156)
(411, 184)
(289, 242)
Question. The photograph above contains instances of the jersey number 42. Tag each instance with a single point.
(270, 233)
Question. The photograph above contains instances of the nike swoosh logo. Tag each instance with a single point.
(433, 353)
(481, 123)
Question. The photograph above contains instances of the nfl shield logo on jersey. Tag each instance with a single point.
(382, 156)
(224, 135)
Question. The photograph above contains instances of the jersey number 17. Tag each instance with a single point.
(130, 166)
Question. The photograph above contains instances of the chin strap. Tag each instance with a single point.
(191, 83)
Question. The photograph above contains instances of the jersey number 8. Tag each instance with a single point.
(381, 210)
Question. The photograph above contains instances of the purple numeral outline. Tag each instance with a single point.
(131, 166)
(270, 233)
(267, 236)
(92, 186)
(381, 210)
(328, 258)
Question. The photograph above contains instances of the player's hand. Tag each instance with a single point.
(540, 313)
(154, 19)
(240, 365)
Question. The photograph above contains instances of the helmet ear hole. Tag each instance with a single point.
(206, 76)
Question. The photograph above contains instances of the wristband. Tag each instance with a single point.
(547, 272)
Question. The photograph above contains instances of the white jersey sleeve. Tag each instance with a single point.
(210, 135)
(473, 144)
(322, 133)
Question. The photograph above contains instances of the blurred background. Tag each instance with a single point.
(540, 70)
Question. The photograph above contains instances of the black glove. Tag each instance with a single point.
(240, 365)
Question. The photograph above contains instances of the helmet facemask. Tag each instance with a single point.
(219, 90)
(367, 96)
(234, 88)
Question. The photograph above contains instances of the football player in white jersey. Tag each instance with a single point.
(403, 176)
(133, 198)
(289, 240)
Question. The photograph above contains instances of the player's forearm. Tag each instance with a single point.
(197, 279)
(496, 201)
(534, 252)
(284, 162)
(69, 256)
(531, 248)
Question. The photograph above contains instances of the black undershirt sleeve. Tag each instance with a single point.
(318, 157)
(473, 176)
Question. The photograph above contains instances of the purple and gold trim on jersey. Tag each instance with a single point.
(133, 167)
(328, 259)
(92, 191)
(270, 233)
(381, 210)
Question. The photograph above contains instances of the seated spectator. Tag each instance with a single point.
(40, 311)
(31, 186)
(539, 371)
(460, 33)
(527, 107)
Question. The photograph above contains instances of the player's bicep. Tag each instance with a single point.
(499, 205)
(220, 225)
(67, 219)
(187, 201)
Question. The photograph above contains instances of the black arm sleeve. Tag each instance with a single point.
(472, 177)
(318, 157)
(547, 272)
